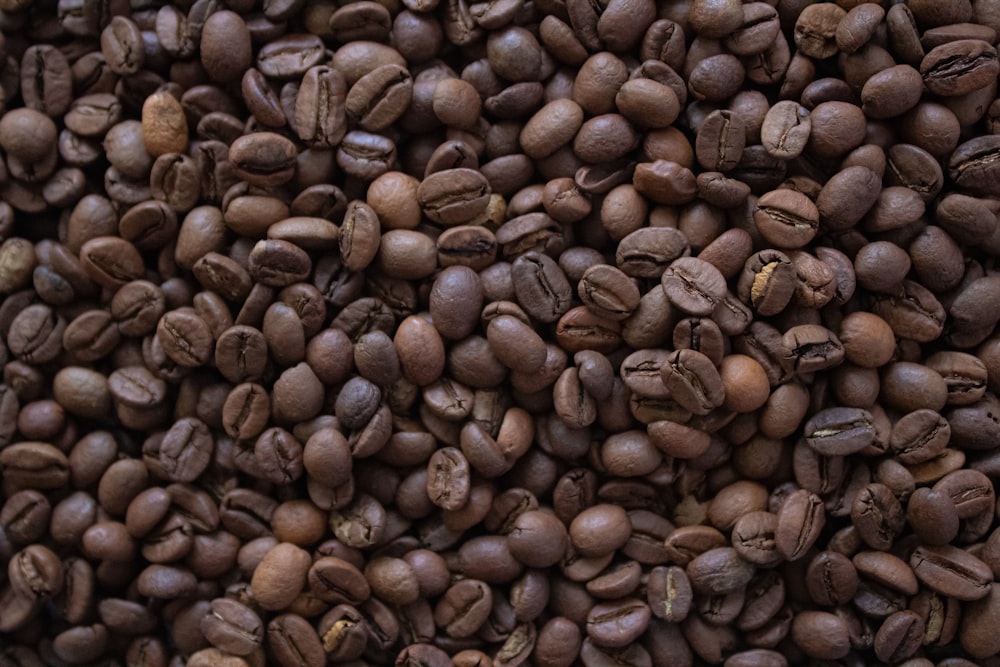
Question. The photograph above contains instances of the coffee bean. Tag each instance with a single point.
(608, 292)
(617, 624)
(956, 68)
(454, 196)
(800, 521)
(951, 572)
(693, 285)
(840, 431)
(232, 627)
(320, 112)
(263, 159)
(122, 46)
(877, 516)
(225, 46)
(786, 218)
(293, 640)
(46, 79)
(693, 381)
(164, 126)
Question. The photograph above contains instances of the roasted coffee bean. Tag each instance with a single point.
(951, 572)
(877, 516)
(840, 431)
(608, 292)
(232, 627)
(812, 347)
(541, 286)
(767, 282)
(800, 520)
(958, 67)
(693, 285)
(786, 218)
(693, 381)
(454, 196)
(263, 159)
(320, 111)
(720, 141)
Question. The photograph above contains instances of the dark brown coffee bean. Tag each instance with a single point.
(232, 627)
(786, 218)
(645, 253)
(290, 56)
(46, 80)
(377, 99)
(877, 516)
(800, 520)
(718, 571)
(669, 593)
(840, 431)
(182, 453)
(958, 67)
(122, 46)
(608, 292)
(463, 608)
(831, 579)
(693, 381)
(969, 490)
(185, 337)
(971, 165)
(899, 636)
(821, 634)
(541, 286)
(952, 572)
(693, 285)
(454, 196)
(448, 478)
(785, 130)
(812, 347)
(294, 641)
(754, 538)
(720, 141)
(263, 159)
(467, 245)
(617, 624)
(767, 282)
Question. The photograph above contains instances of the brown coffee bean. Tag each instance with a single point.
(952, 572)
(821, 634)
(767, 282)
(877, 516)
(786, 218)
(263, 159)
(785, 130)
(619, 623)
(280, 576)
(448, 478)
(693, 285)
(693, 381)
(164, 125)
(599, 530)
(454, 196)
(720, 141)
(958, 67)
(225, 46)
(232, 627)
(800, 520)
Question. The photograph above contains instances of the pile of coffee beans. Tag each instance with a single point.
(613, 333)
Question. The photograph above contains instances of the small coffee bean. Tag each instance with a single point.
(164, 125)
(800, 520)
